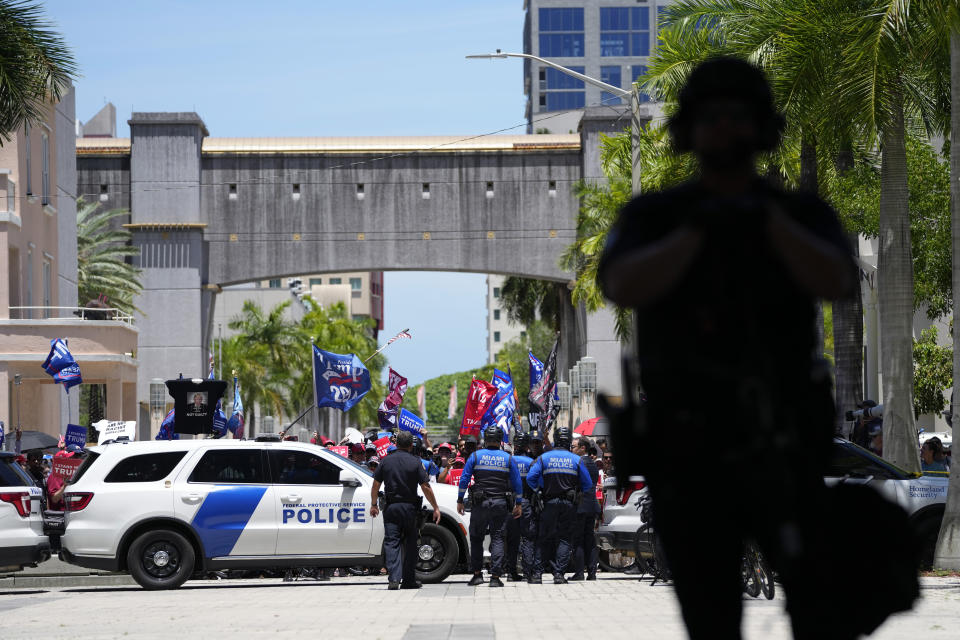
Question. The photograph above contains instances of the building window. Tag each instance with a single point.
(636, 71)
(104, 192)
(47, 288)
(296, 192)
(356, 284)
(624, 31)
(496, 314)
(356, 317)
(360, 191)
(11, 195)
(496, 292)
(425, 191)
(563, 100)
(561, 33)
(316, 281)
(28, 153)
(336, 280)
(45, 169)
(611, 75)
(496, 336)
(232, 191)
(552, 188)
(274, 284)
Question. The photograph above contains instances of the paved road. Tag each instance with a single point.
(362, 608)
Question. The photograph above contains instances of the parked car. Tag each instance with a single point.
(22, 542)
(922, 496)
(164, 511)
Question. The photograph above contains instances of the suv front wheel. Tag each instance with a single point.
(161, 559)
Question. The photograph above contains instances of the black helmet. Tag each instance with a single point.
(521, 440)
(536, 436)
(563, 437)
(493, 435)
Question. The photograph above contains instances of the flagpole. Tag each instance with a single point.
(389, 342)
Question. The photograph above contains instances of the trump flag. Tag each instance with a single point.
(340, 380)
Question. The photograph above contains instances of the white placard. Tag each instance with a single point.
(113, 429)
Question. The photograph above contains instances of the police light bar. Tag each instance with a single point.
(268, 437)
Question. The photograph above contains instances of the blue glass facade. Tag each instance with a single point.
(624, 31)
(638, 70)
(610, 75)
(559, 80)
(564, 100)
(561, 33)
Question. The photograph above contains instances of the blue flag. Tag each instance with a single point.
(166, 431)
(536, 372)
(236, 421)
(219, 419)
(61, 365)
(340, 381)
(501, 409)
(412, 423)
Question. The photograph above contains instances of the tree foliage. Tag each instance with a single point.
(102, 253)
(932, 373)
(273, 357)
(36, 66)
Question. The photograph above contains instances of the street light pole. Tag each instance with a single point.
(636, 125)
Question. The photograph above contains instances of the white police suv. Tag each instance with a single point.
(22, 541)
(166, 510)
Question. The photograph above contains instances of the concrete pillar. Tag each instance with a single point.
(129, 411)
(114, 400)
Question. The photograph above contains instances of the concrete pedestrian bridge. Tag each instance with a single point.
(209, 212)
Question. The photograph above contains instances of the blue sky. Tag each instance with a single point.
(320, 68)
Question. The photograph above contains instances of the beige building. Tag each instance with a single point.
(499, 329)
(38, 285)
(360, 291)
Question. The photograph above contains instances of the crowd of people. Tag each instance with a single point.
(868, 433)
(38, 466)
(540, 535)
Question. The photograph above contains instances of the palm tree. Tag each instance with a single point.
(102, 253)
(35, 65)
(263, 354)
(947, 555)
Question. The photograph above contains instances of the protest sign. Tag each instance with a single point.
(65, 467)
(76, 435)
(113, 429)
(453, 476)
(412, 423)
(382, 445)
(341, 450)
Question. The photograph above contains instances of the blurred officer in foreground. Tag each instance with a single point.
(725, 272)
(401, 473)
(520, 537)
(562, 479)
(496, 492)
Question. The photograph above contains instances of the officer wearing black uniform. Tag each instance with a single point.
(561, 479)
(401, 472)
(496, 491)
(521, 532)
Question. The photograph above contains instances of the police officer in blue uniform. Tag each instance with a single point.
(520, 536)
(401, 473)
(561, 479)
(497, 487)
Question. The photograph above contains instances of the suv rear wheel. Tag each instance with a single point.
(161, 559)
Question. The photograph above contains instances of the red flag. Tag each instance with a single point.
(390, 407)
(479, 397)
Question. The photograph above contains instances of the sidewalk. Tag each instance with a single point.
(612, 607)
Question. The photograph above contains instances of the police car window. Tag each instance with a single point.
(12, 474)
(300, 467)
(145, 468)
(847, 461)
(88, 461)
(224, 466)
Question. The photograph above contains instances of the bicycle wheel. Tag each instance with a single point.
(751, 585)
(764, 574)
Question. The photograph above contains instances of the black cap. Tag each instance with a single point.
(472, 439)
(536, 436)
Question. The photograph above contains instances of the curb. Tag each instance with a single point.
(56, 582)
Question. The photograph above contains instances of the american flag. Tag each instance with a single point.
(403, 334)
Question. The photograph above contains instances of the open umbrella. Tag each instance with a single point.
(594, 427)
(37, 440)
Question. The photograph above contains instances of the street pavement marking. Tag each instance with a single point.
(450, 632)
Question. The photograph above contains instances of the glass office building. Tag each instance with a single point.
(609, 39)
